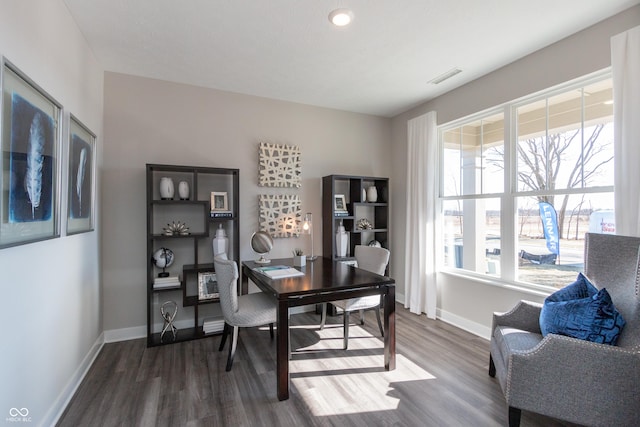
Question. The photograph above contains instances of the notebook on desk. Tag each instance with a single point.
(279, 271)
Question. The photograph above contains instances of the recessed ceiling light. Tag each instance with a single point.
(341, 17)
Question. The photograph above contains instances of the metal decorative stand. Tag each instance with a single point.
(168, 316)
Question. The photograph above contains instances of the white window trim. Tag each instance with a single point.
(509, 260)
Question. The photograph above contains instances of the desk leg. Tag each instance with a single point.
(282, 351)
(390, 328)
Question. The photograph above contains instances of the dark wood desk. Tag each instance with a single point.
(324, 281)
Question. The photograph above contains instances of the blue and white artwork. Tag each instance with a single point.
(31, 163)
(80, 178)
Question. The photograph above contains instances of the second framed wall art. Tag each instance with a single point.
(82, 144)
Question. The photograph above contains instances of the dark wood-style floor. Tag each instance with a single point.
(441, 380)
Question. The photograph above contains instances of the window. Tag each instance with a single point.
(521, 184)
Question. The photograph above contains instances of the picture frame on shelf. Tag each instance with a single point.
(30, 152)
(219, 201)
(340, 205)
(80, 197)
(207, 286)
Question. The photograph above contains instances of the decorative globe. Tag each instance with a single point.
(375, 244)
(162, 258)
(261, 243)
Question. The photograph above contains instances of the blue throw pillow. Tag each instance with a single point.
(582, 311)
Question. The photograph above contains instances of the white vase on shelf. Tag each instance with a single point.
(342, 240)
(183, 190)
(166, 188)
(372, 194)
(364, 195)
(220, 242)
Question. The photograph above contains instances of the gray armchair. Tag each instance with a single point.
(570, 379)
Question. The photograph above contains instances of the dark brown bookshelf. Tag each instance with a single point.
(193, 251)
(377, 213)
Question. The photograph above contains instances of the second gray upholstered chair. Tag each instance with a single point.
(372, 259)
(242, 311)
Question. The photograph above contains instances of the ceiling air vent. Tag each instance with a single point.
(444, 76)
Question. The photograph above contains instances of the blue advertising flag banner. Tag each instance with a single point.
(549, 220)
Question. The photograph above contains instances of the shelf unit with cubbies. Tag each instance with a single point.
(354, 189)
(193, 251)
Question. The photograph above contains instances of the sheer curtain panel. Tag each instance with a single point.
(422, 161)
(625, 63)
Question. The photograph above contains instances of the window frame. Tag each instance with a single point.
(509, 196)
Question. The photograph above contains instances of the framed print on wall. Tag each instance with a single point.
(82, 143)
(30, 161)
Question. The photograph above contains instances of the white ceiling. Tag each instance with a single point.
(287, 49)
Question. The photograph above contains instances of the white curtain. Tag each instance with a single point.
(422, 160)
(625, 62)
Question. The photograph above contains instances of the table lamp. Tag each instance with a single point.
(307, 228)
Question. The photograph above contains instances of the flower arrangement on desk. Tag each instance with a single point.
(299, 260)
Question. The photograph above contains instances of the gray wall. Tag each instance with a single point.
(51, 303)
(470, 303)
(152, 121)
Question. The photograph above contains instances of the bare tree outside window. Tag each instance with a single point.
(543, 162)
(559, 161)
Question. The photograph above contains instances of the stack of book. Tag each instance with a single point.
(221, 214)
(212, 325)
(166, 282)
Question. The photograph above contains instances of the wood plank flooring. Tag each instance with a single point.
(441, 380)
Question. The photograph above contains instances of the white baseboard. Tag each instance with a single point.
(125, 334)
(57, 409)
(135, 332)
(465, 324)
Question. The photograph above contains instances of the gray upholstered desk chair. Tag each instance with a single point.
(372, 259)
(242, 311)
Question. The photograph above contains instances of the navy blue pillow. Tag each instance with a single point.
(581, 311)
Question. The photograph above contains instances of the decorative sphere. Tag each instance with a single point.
(375, 244)
(261, 242)
(163, 258)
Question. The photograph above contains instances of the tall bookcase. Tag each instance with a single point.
(192, 249)
(354, 189)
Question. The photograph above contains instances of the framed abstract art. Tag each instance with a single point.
(279, 165)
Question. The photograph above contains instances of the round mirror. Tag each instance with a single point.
(261, 243)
